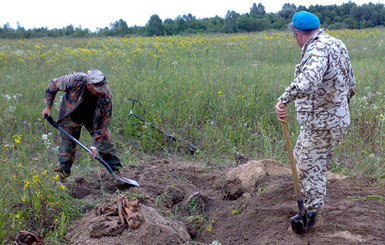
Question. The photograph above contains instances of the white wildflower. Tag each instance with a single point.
(12, 108)
(19, 52)
(45, 139)
(215, 243)
(17, 96)
(6, 96)
(55, 149)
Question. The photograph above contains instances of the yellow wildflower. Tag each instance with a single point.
(26, 184)
(56, 177)
(45, 172)
(210, 228)
(17, 138)
(35, 179)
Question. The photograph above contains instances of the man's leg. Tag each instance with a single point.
(313, 153)
(107, 150)
(67, 147)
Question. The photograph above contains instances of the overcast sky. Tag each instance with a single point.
(95, 14)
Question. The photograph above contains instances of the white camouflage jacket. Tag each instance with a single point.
(323, 84)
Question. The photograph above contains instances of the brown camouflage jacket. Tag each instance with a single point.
(74, 85)
(323, 84)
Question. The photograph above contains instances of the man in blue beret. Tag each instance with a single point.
(322, 88)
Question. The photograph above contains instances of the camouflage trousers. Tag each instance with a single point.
(67, 148)
(313, 152)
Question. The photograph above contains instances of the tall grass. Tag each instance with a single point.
(217, 92)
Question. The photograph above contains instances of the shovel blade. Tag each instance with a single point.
(311, 216)
(303, 223)
(127, 181)
(298, 224)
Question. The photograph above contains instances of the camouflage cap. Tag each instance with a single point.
(98, 81)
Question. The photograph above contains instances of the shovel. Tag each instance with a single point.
(305, 219)
(121, 179)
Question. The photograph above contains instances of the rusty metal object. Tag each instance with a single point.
(106, 208)
(130, 212)
(28, 238)
(127, 211)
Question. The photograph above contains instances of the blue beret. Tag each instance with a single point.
(305, 21)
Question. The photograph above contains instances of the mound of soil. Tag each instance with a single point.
(248, 204)
(155, 229)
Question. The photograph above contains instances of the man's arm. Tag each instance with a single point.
(46, 111)
(351, 83)
(282, 112)
(313, 68)
(64, 83)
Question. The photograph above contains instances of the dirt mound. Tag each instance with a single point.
(108, 230)
(251, 178)
(248, 204)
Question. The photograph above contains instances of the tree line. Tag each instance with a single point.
(346, 16)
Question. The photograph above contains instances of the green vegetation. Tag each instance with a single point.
(346, 16)
(215, 91)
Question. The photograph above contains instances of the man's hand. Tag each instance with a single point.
(94, 152)
(46, 111)
(282, 112)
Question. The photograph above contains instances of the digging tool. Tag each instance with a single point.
(192, 148)
(305, 219)
(121, 179)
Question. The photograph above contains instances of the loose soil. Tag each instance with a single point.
(249, 204)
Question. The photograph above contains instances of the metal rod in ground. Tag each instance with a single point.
(191, 147)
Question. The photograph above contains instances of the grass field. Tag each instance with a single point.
(217, 92)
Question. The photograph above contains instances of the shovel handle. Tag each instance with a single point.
(293, 166)
(101, 160)
(56, 125)
(292, 160)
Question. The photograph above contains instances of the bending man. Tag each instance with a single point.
(87, 102)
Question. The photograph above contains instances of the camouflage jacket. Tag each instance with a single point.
(323, 84)
(74, 86)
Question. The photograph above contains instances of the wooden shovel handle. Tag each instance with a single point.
(291, 158)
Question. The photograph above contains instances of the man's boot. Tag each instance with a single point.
(314, 222)
(319, 224)
(63, 175)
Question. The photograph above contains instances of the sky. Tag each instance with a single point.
(93, 14)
